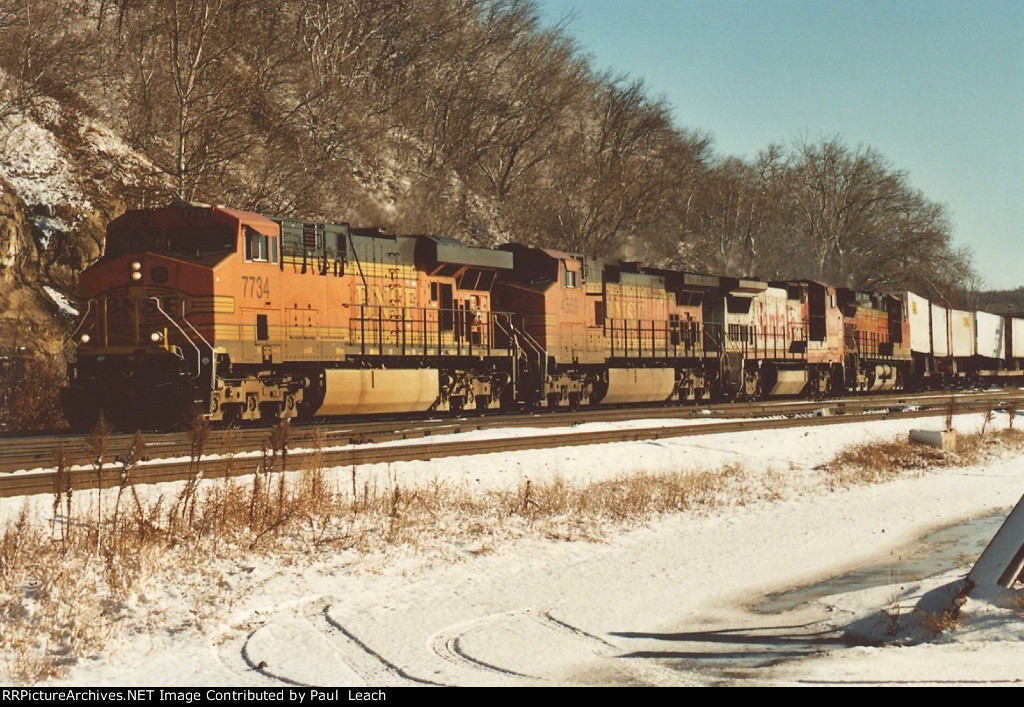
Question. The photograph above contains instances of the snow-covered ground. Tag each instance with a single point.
(814, 586)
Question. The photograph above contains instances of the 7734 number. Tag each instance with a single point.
(253, 286)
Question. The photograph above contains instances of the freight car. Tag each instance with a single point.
(234, 315)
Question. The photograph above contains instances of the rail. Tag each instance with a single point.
(853, 410)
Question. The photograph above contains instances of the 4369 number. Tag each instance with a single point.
(253, 286)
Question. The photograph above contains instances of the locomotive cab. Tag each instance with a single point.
(150, 305)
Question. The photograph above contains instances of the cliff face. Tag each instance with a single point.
(62, 178)
(31, 322)
(17, 247)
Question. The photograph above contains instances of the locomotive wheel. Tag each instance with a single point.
(482, 403)
(232, 412)
(574, 401)
(456, 404)
(271, 412)
(80, 411)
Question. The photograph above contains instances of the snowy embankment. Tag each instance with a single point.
(708, 595)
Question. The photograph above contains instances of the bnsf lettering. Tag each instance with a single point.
(253, 286)
(389, 296)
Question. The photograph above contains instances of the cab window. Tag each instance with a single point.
(570, 278)
(260, 248)
(191, 239)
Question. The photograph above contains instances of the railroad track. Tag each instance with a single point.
(25, 453)
(168, 457)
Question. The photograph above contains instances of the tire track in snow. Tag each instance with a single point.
(533, 645)
(304, 646)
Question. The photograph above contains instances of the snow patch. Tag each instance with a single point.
(49, 225)
(37, 166)
(62, 302)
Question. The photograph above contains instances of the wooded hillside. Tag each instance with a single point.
(466, 118)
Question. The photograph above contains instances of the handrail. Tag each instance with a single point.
(199, 354)
(213, 352)
(69, 345)
(517, 335)
(513, 339)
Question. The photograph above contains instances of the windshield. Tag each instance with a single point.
(190, 240)
(195, 240)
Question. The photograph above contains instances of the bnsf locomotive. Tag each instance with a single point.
(240, 316)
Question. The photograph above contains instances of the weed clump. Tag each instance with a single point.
(879, 461)
(942, 621)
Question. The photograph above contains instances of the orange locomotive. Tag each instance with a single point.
(621, 333)
(236, 315)
(233, 315)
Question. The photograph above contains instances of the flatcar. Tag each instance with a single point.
(197, 309)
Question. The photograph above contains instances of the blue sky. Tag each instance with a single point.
(936, 86)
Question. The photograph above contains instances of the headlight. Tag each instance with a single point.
(136, 265)
(85, 338)
(156, 337)
(136, 275)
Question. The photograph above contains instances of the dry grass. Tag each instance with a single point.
(68, 583)
(56, 606)
(943, 621)
(1017, 601)
(877, 462)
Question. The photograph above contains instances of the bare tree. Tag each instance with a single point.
(535, 82)
(44, 52)
(840, 201)
(199, 33)
(186, 88)
(737, 214)
(614, 171)
(849, 218)
(463, 117)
